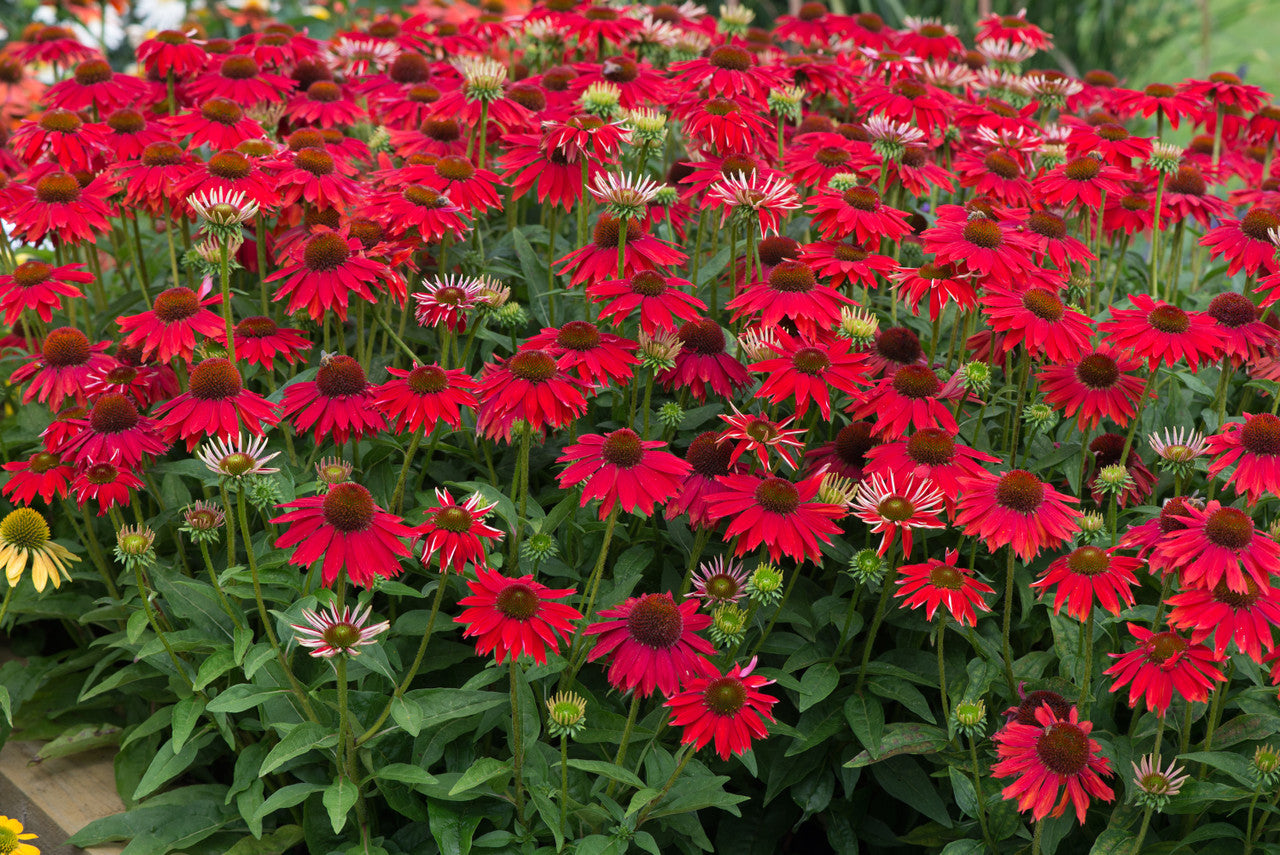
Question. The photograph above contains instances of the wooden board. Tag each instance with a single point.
(58, 797)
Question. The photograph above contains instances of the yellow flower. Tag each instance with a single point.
(11, 838)
(24, 535)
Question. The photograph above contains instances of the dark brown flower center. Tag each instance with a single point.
(899, 344)
(703, 337)
(215, 379)
(1229, 528)
(1098, 371)
(161, 154)
(1258, 222)
(348, 507)
(1261, 434)
(1047, 224)
(725, 696)
(126, 121)
(607, 229)
(1045, 305)
(731, 57)
(60, 188)
(708, 455)
(622, 448)
(113, 413)
(65, 347)
(256, 327)
(304, 138)
(239, 67)
(424, 197)
(324, 91)
(454, 167)
(946, 577)
(1000, 164)
(1164, 646)
(655, 621)
(42, 461)
(101, 474)
(777, 495)
(224, 111)
(1237, 599)
(424, 93)
(916, 381)
(175, 304)
(230, 165)
(93, 71)
(792, 277)
(1026, 712)
(533, 366)
(620, 69)
(31, 273)
(832, 156)
(861, 198)
(1063, 748)
(1088, 561)
(810, 360)
(326, 251)
(931, 447)
(60, 121)
(427, 380)
(721, 107)
(517, 601)
(738, 164)
(984, 233)
(341, 376)
(1020, 491)
(648, 283)
(314, 160)
(1169, 319)
(1083, 168)
(1232, 310)
(1188, 181)
(578, 335)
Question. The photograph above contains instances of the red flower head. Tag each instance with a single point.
(1228, 616)
(61, 137)
(891, 510)
(936, 583)
(324, 273)
(725, 125)
(751, 433)
(529, 387)
(1016, 509)
(791, 292)
(239, 78)
(415, 400)
(515, 617)
(114, 432)
(39, 287)
(105, 483)
(171, 51)
(709, 457)
(912, 397)
(169, 329)
(347, 529)
(849, 263)
(1161, 331)
(219, 123)
(62, 206)
(1246, 336)
(980, 245)
(445, 301)
(1019, 31)
(941, 283)
(598, 260)
(259, 341)
(456, 532)
(1218, 543)
(702, 363)
(1253, 447)
(215, 405)
(859, 212)
(621, 469)
(663, 301)
(66, 361)
(931, 455)
(529, 163)
(1163, 662)
(1079, 183)
(652, 644)
(42, 474)
(339, 403)
(579, 347)
(1054, 755)
(728, 709)
(1186, 194)
(1039, 318)
(472, 189)
(417, 211)
(727, 71)
(783, 517)
(325, 104)
(1245, 243)
(1094, 387)
(156, 178)
(806, 370)
(1088, 574)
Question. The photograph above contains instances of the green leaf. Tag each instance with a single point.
(482, 771)
(169, 764)
(1113, 841)
(186, 714)
(817, 683)
(1245, 728)
(78, 739)
(451, 829)
(1224, 761)
(904, 693)
(214, 666)
(5, 705)
(550, 814)
(277, 842)
(339, 798)
(242, 697)
(902, 778)
(866, 718)
(612, 771)
(286, 797)
(405, 774)
(901, 739)
(161, 825)
(428, 708)
(298, 741)
(963, 847)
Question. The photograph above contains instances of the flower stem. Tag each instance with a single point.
(155, 624)
(625, 743)
(1086, 693)
(782, 604)
(520, 497)
(1008, 620)
(397, 495)
(144, 275)
(885, 593)
(978, 796)
(4, 606)
(686, 755)
(224, 269)
(942, 667)
(517, 741)
(564, 784)
(234, 614)
(591, 588)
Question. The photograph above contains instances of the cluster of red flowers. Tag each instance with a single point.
(927, 179)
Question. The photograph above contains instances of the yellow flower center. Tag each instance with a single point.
(25, 529)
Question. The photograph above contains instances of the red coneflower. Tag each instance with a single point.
(319, 179)
(782, 516)
(169, 329)
(1246, 336)
(1079, 183)
(325, 104)
(912, 397)
(61, 137)
(445, 301)
(804, 370)
(39, 287)
(1218, 543)
(1253, 447)
(1054, 755)
(215, 405)
(1245, 243)
(1162, 663)
(997, 250)
(219, 123)
(416, 399)
(328, 634)
(63, 207)
(844, 262)
(527, 386)
(1167, 100)
(456, 533)
(1094, 387)
(859, 212)
(347, 529)
(931, 455)
(339, 403)
(260, 341)
(171, 51)
(529, 163)
(719, 581)
(598, 260)
(1039, 318)
(620, 469)
(129, 133)
(936, 583)
(324, 273)
(42, 474)
(891, 510)
(114, 432)
(727, 71)
(472, 189)
(708, 456)
(66, 361)
(579, 347)
(156, 177)
(728, 709)
(1086, 575)
(791, 292)
(105, 483)
(752, 433)
(1016, 509)
(702, 363)
(941, 283)
(1186, 194)
(652, 644)
(725, 125)
(662, 301)
(239, 78)
(1162, 332)
(515, 617)
(1228, 616)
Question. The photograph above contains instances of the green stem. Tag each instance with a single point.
(942, 668)
(517, 740)
(397, 495)
(1008, 620)
(144, 277)
(886, 592)
(591, 589)
(231, 524)
(623, 745)
(224, 268)
(234, 614)
(564, 784)
(4, 607)
(1035, 837)
(686, 755)
(848, 621)
(979, 797)
(482, 132)
(1086, 693)
(782, 604)
(520, 497)
(155, 625)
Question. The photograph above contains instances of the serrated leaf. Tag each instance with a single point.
(866, 718)
(302, 738)
(339, 798)
(818, 682)
(482, 771)
(904, 739)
